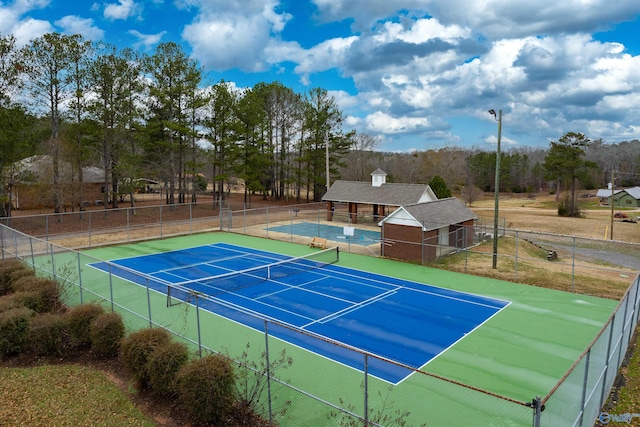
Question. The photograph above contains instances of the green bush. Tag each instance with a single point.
(45, 334)
(207, 387)
(31, 300)
(46, 290)
(14, 324)
(163, 365)
(137, 348)
(18, 274)
(106, 332)
(79, 320)
(7, 302)
(6, 268)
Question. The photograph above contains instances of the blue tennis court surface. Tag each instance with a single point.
(406, 322)
(330, 232)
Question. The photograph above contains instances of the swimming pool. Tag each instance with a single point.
(329, 232)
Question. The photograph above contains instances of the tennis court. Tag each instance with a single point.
(360, 236)
(519, 343)
(394, 319)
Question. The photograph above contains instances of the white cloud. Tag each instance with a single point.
(324, 56)
(84, 27)
(122, 10)
(421, 31)
(146, 41)
(236, 34)
(385, 123)
(30, 29)
(24, 29)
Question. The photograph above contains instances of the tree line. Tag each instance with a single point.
(571, 163)
(153, 116)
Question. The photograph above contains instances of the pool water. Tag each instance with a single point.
(329, 232)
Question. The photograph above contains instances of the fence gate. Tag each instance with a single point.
(226, 219)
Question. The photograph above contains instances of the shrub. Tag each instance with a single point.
(136, 349)
(46, 293)
(13, 330)
(45, 334)
(163, 365)
(6, 268)
(106, 332)
(18, 274)
(31, 300)
(207, 387)
(79, 320)
(7, 302)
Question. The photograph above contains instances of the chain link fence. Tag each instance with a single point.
(317, 391)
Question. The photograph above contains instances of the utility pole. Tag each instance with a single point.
(612, 194)
(326, 145)
(497, 190)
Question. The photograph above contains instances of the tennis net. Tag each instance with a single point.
(210, 286)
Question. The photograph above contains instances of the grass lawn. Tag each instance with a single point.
(64, 395)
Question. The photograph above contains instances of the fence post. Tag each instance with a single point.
(623, 345)
(366, 389)
(573, 264)
(111, 287)
(466, 248)
(537, 406)
(198, 326)
(149, 302)
(606, 365)
(53, 260)
(161, 221)
(2, 239)
(516, 266)
(33, 255)
(268, 367)
(585, 381)
(80, 278)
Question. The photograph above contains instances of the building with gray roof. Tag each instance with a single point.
(377, 193)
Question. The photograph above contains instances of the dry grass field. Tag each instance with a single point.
(539, 212)
(527, 263)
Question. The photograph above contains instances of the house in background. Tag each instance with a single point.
(623, 198)
(378, 194)
(32, 183)
(426, 231)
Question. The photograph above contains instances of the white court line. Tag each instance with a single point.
(211, 263)
(354, 307)
(302, 287)
(423, 291)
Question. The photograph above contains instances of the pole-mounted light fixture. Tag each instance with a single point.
(497, 188)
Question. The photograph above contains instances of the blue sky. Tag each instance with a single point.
(416, 74)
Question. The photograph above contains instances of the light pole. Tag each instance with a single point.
(497, 189)
(613, 186)
(326, 162)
